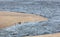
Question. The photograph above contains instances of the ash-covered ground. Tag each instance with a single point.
(48, 9)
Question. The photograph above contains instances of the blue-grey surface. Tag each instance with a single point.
(44, 8)
(48, 9)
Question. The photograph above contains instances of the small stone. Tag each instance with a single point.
(19, 22)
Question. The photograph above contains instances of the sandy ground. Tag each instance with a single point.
(48, 35)
(9, 18)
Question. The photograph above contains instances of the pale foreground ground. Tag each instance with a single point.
(48, 35)
(9, 18)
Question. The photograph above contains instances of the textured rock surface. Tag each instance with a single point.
(47, 9)
(44, 8)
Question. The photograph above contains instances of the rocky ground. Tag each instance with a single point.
(48, 9)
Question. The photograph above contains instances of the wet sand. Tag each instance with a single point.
(9, 18)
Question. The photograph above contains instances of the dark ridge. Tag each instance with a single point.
(21, 12)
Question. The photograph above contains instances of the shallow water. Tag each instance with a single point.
(50, 10)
